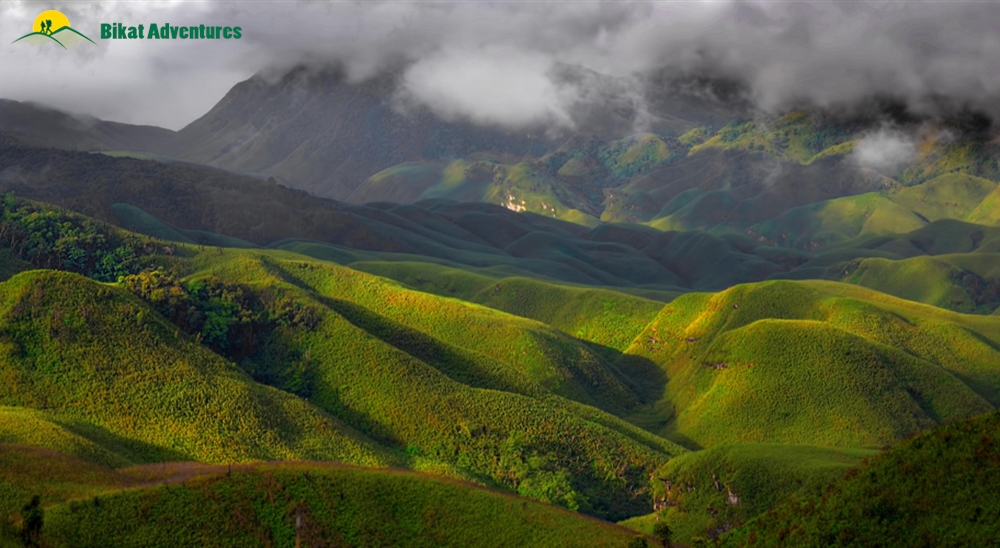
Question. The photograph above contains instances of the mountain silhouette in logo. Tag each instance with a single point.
(64, 36)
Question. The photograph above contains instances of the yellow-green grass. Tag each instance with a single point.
(964, 282)
(794, 137)
(957, 196)
(519, 187)
(988, 210)
(948, 196)
(938, 158)
(838, 220)
(938, 489)
(454, 381)
(627, 157)
(817, 363)
(25, 426)
(695, 488)
(98, 355)
(260, 505)
(609, 317)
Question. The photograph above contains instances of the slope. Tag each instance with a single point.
(99, 356)
(815, 362)
(703, 493)
(937, 489)
(443, 385)
(278, 504)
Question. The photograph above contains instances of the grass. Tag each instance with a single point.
(74, 347)
(938, 489)
(694, 489)
(186, 504)
(430, 373)
(815, 362)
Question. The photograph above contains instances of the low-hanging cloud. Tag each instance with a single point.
(493, 63)
(885, 151)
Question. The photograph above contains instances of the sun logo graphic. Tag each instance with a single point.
(53, 26)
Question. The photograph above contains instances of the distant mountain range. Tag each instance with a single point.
(682, 159)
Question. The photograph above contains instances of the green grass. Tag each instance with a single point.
(74, 347)
(186, 504)
(938, 489)
(431, 374)
(962, 282)
(949, 196)
(30, 427)
(815, 362)
(694, 489)
(607, 317)
(838, 220)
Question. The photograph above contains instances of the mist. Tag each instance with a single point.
(495, 63)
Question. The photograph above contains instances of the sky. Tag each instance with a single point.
(492, 62)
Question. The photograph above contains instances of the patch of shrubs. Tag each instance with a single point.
(230, 318)
(47, 237)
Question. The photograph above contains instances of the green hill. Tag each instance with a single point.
(95, 354)
(956, 196)
(814, 362)
(186, 504)
(703, 493)
(531, 414)
(938, 489)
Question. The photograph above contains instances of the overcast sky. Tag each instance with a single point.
(491, 61)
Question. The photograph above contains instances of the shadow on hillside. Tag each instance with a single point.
(445, 358)
(136, 451)
(644, 378)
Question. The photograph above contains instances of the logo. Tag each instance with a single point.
(53, 26)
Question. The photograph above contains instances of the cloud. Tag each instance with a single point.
(492, 86)
(493, 62)
(885, 151)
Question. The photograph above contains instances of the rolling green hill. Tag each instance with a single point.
(815, 362)
(187, 504)
(97, 355)
(704, 493)
(937, 489)
(612, 369)
(520, 415)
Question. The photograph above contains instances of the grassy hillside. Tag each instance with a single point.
(815, 362)
(703, 493)
(938, 489)
(382, 359)
(956, 196)
(98, 355)
(280, 504)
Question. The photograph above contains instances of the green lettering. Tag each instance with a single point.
(201, 31)
(105, 31)
(153, 31)
(237, 33)
(192, 32)
(173, 32)
(132, 33)
(227, 32)
(140, 32)
(184, 33)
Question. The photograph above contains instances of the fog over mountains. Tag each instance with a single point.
(493, 64)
